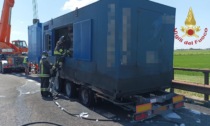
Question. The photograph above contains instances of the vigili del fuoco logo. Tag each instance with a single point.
(190, 30)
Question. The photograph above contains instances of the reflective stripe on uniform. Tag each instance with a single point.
(44, 89)
(24, 60)
(57, 53)
(60, 50)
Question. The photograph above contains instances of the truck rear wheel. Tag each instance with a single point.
(86, 96)
(70, 89)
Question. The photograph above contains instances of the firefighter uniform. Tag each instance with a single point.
(65, 43)
(59, 48)
(59, 52)
(45, 67)
(25, 64)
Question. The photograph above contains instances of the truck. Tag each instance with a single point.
(122, 53)
(13, 52)
(11, 63)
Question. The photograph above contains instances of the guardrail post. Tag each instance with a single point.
(206, 82)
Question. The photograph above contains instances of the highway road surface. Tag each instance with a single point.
(22, 105)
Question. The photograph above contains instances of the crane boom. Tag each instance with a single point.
(5, 24)
(17, 46)
(10, 51)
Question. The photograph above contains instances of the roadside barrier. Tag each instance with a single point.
(194, 87)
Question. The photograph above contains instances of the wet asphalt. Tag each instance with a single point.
(22, 105)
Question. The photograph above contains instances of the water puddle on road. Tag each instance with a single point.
(30, 87)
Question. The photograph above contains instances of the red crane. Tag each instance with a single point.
(17, 46)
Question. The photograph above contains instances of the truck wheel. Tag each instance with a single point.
(70, 89)
(86, 97)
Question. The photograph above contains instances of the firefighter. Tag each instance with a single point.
(45, 67)
(59, 52)
(69, 40)
(63, 48)
(25, 64)
(59, 48)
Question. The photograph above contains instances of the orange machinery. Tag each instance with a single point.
(10, 52)
(17, 46)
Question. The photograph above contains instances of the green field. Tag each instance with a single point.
(199, 59)
(192, 59)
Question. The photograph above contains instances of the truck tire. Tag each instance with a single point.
(86, 96)
(70, 89)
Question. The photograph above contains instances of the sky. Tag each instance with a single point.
(22, 16)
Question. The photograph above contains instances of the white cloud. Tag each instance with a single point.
(72, 4)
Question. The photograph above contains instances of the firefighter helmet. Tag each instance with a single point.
(44, 53)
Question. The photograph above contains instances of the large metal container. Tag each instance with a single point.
(35, 42)
(121, 47)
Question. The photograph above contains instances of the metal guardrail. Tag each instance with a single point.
(194, 87)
